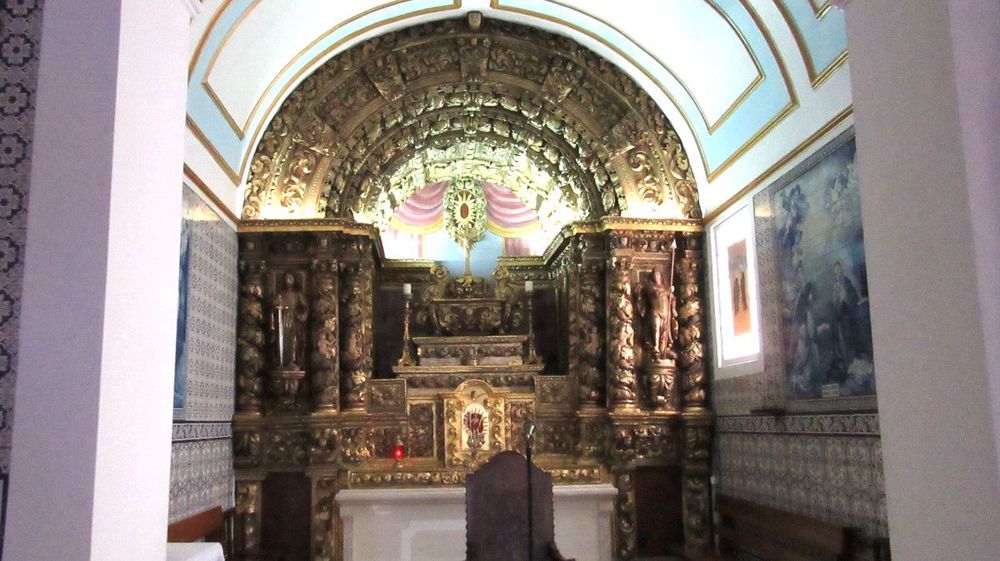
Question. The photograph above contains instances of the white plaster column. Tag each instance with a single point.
(91, 445)
(925, 97)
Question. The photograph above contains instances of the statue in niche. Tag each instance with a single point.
(656, 307)
(288, 319)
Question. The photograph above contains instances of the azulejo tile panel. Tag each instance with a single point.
(20, 31)
(210, 333)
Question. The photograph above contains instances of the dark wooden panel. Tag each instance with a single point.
(659, 516)
(285, 506)
(388, 311)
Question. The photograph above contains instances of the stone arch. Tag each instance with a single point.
(341, 142)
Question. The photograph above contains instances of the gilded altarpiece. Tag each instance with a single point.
(624, 392)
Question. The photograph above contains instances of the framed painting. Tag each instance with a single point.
(814, 282)
(735, 300)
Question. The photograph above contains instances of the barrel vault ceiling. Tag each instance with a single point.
(748, 84)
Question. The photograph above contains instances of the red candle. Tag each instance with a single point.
(398, 452)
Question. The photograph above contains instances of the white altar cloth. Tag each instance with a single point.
(429, 524)
(195, 551)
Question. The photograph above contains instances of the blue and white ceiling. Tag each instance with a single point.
(748, 84)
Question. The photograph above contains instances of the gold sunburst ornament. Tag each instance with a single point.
(465, 214)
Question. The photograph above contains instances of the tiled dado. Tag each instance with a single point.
(201, 476)
(20, 34)
(836, 478)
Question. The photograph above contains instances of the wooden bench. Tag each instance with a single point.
(213, 525)
(776, 535)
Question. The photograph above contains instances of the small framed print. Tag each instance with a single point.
(737, 321)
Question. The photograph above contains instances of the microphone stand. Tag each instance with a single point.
(529, 433)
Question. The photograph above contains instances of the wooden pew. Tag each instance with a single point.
(776, 535)
(209, 526)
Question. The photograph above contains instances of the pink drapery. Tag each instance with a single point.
(423, 211)
(506, 215)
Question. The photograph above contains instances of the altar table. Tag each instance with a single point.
(195, 551)
(429, 524)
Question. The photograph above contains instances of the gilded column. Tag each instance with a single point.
(247, 516)
(621, 336)
(326, 340)
(690, 323)
(696, 417)
(356, 343)
(625, 517)
(586, 324)
(326, 531)
(250, 338)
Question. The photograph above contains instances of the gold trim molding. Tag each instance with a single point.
(770, 171)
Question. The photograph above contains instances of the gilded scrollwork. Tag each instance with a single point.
(555, 103)
(250, 358)
(326, 343)
(621, 330)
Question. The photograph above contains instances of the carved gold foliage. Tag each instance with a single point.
(246, 447)
(388, 99)
(324, 445)
(250, 338)
(593, 438)
(642, 442)
(556, 437)
(387, 396)
(421, 441)
(518, 412)
(357, 444)
(285, 447)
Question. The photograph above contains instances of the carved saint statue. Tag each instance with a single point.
(288, 320)
(656, 307)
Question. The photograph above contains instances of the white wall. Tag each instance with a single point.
(91, 452)
(930, 238)
(975, 31)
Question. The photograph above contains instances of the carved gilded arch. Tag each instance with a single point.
(356, 137)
